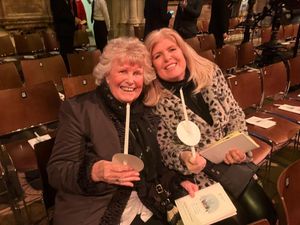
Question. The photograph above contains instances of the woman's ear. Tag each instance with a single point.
(107, 80)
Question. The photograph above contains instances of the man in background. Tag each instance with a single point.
(156, 15)
(219, 21)
(100, 17)
(65, 20)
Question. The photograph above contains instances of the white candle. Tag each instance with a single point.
(126, 141)
(183, 105)
(186, 118)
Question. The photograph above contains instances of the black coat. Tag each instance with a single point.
(186, 20)
(156, 15)
(87, 134)
(63, 17)
(219, 19)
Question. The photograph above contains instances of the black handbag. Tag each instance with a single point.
(162, 197)
(234, 177)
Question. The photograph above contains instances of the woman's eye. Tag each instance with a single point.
(137, 73)
(156, 56)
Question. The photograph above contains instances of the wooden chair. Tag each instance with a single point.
(295, 29)
(247, 89)
(28, 107)
(42, 152)
(245, 54)
(9, 76)
(83, 62)
(207, 41)
(294, 77)
(37, 71)
(276, 85)
(288, 187)
(288, 32)
(226, 58)
(208, 54)
(266, 34)
(78, 85)
(81, 39)
(194, 43)
(29, 44)
(50, 41)
(12, 189)
(6, 46)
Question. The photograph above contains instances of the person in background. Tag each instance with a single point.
(186, 18)
(219, 21)
(156, 15)
(100, 17)
(211, 106)
(81, 14)
(65, 21)
(91, 189)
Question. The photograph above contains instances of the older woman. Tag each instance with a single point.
(210, 105)
(91, 188)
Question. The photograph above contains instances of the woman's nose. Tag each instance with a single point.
(130, 78)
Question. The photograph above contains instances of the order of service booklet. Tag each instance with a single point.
(236, 140)
(209, 205)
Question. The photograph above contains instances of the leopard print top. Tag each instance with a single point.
(226, 114)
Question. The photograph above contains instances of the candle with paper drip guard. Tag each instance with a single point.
(125, 158)
(187, 131)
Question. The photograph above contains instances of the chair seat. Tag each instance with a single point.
(278, 135)
(274, 109)
(262, 152)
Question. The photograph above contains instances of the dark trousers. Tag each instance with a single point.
(251, 206)
(219, 39)
(66, 45)
(100, 32)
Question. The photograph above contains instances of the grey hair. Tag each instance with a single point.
(124, 49)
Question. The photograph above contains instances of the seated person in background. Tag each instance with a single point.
(90, 188)
(211, 106)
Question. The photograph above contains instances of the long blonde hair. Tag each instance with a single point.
(201, 69)
(126, 49)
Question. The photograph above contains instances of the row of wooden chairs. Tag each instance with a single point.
(229, 57)
(38, 43)
(39, 70)
(259, 93)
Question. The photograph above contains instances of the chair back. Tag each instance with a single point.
(28, 43)
(194, 43)
(208, 54)
(50, 41)
(288, 187)
(6, 46)
(207, 41)
(83, 62)
(245, 54)
(37, 71)
(266, 34)
(226, 57)
(81, 39)
(275, 80)
(246, 88)
(78, 85)
(27, 107)
(9, 76)
(43, 152)
(295, 70)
